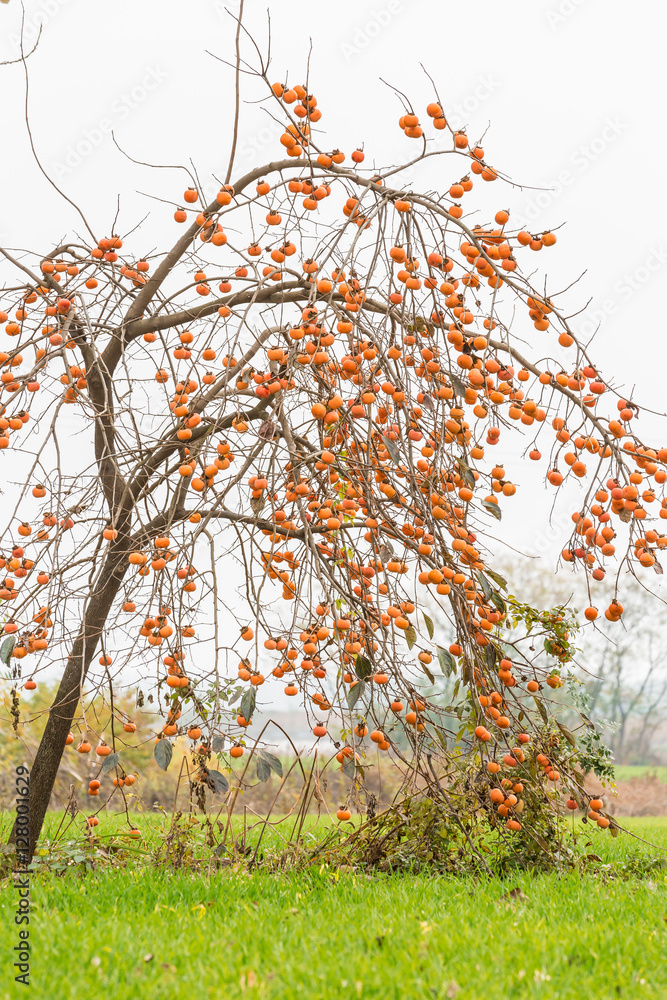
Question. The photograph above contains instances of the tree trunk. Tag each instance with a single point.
(61, 714)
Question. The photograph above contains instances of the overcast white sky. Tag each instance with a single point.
(568, 90)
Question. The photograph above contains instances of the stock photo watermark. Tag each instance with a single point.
(579, 161)
(97, 134)
(544, 542)
(623, 291)
(458, 113)
(34, 22)
(21, 878)
(562, 11)
(224, 8)
(361, 35)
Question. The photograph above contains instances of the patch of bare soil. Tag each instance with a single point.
(645, 796)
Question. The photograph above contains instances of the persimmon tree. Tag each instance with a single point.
(314, 380)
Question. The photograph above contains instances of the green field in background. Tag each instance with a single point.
(631, 772)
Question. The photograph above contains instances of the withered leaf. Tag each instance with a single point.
(266, 431)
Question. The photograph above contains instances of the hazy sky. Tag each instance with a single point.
(566, 88)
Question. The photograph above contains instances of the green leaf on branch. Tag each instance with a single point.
(486, 586)
(274, 762)
(429, 625)
(497, 578)
(442, 739)
(217, 782)
(263, 769)
(427, 672)
(446, 661)
(355, 693)
(542, 709)
(248, 703)
(6, 649)
(410, 636)
(567, 733)
(363, 667)
(110, 762)
(498, 601)
(494, 509)
(349, 768)
(163, 752)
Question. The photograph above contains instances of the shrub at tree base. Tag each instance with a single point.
(429, 832)
(313, 379)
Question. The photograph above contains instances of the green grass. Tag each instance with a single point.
(631, 772)
(133, 933)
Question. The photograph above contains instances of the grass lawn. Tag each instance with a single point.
(632, 772)
(131, 933)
